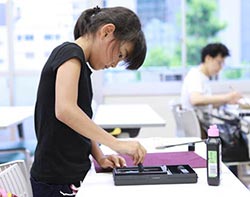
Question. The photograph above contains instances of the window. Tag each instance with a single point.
(38, 28)
(161, 25)
(30, 29)
(206, 21)
(236, 36)
(3, 37)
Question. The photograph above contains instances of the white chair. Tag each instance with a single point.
(14, 178)
(187, 122)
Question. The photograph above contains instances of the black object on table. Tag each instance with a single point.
(164, 174)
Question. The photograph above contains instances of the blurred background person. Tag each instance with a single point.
(196, 91)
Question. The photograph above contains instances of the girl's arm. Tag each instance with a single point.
(68, 112)
(106, 161)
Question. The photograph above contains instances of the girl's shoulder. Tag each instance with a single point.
(68, 50)
(68, 45)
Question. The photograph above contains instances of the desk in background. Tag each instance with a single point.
(19, 149)
(15, 116)
(102, 184)
(238, 112)
(242, 114)
(130, 117)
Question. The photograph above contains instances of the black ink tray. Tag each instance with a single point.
(164, 174)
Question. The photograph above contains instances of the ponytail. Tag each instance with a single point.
(83, 23)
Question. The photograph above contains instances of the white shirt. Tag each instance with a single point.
(194, 81)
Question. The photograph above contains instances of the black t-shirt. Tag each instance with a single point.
(62, 155)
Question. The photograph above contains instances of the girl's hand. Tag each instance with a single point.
(112, 161)
(131, 148)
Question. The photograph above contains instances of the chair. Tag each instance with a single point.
(23, 149)
(187, 122)
(19, 149)
(14, 178)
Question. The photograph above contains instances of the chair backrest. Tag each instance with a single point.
(14, 178)
(187, 122)
(178, 124)
(18, 150)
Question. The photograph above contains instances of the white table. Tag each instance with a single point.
(242, 114)
(101, 184)
(127, 116)
(15, 116)
(238, 112)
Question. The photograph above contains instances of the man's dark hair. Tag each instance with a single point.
(213, 50)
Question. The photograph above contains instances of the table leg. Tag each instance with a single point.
(20, 130)
(133, 132)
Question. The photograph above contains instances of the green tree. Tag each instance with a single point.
(157, 56)
(202, 26)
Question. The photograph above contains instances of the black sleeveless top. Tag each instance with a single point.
(62, 155)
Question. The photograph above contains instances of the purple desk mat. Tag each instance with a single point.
(168, 158)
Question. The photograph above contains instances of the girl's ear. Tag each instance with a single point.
(107, 29)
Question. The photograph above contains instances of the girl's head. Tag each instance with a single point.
(120, 29)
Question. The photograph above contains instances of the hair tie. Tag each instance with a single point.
(96, 9)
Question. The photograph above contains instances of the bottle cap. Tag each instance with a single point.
(213, 131)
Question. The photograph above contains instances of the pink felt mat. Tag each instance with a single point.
(168, 158)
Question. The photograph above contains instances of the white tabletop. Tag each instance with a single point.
(127, 116)
(236, 111)
(10, 116)
(102, 184)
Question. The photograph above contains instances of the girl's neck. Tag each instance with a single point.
(84, 43)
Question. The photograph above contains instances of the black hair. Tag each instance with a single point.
(213, 50)
(127, 29)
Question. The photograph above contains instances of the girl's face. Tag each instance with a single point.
(107, 51)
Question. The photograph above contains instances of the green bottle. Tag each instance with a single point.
(213, 156)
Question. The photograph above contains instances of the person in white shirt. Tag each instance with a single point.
(196, 91)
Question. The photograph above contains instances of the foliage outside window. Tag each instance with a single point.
(203, 27)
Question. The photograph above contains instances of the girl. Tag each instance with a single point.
(64, 129)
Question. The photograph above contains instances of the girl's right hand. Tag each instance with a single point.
(132, 148)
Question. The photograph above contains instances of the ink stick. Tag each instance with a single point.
(140, 167)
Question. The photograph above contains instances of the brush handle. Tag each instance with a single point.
(173, 145)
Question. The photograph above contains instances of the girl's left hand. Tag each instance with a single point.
(112, 161)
